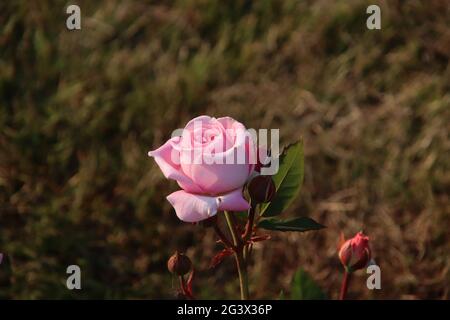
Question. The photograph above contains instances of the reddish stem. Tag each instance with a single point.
(222, 237)
(182, 285)
(237, 228)
(184, 289)
(344, 286)
(239, 255)
(249, 226)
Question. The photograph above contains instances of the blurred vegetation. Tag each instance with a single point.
(80, 109)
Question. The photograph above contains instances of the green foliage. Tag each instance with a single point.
(300, 224)
(303, 287)
(288, 180)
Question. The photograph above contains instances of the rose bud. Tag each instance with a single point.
(261, 189)
(179, 264)
(355, 252)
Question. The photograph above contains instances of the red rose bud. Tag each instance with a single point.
(355, 252)
(179, 264)
(261, 189)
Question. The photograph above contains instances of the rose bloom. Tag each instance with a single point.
(355, 252)
(211, 161)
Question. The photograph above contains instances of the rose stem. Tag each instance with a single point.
(248, 230)
(238, 253)
(243, 278)
(183, 285)
(232, 228)
(222, 237)
(344, 285)
(249, 225)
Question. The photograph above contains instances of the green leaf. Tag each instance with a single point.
(300, 224)
(303, 287)
(288, 180)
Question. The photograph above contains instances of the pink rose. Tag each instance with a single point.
(211, 161)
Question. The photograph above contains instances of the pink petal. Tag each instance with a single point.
(233, 201)
(192, 207)
(225, 174)
(167, 159)
(218, 178)
(230, 123)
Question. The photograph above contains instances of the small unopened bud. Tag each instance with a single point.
(355, 253)
(261, 189)
(179, 264)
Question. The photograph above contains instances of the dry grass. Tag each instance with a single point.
(80, 110)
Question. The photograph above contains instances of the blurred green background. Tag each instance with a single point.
(80, 109)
